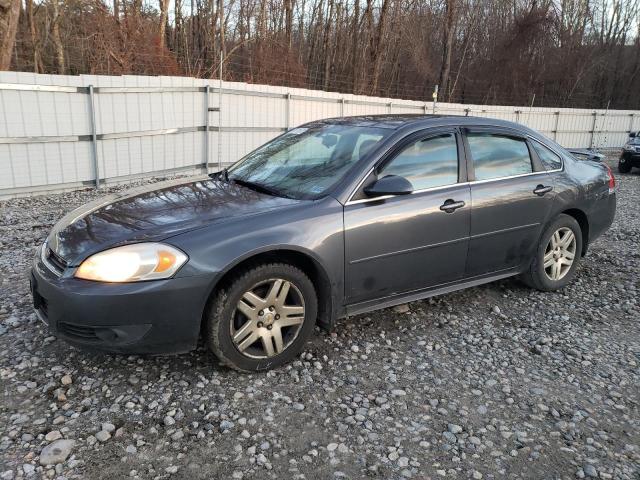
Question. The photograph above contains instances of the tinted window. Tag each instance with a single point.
(432, 162)
(496, 156)
(550, 160)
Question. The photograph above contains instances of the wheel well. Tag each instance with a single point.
(583, 221)
(304, 262)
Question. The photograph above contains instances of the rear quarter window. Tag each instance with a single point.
(550, 160)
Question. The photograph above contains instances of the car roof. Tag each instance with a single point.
(398, 121)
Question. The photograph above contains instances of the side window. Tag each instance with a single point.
(432, 162)
(550, 160)
(496, 156)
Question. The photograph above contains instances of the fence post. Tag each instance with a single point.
(220, 119)
(94, 136)
(555, 129)
(517, 112)
(631, 115)
(390, 108)
(287, 112)
(435, 98)
(207, 90)
(593, 128)
(342, 107)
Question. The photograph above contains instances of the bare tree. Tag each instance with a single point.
(9, 13)
(583, 53)
(162, 25)
(55, 35)
(449, 30)
(35, 39)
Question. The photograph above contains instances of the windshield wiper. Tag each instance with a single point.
(258, 187)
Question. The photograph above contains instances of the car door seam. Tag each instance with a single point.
(504, 230)
(409, 250)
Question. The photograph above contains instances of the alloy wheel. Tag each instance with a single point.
(267, 318)
(559, 254)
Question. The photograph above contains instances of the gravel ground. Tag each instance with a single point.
(497, 381)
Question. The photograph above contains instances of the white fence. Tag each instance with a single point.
(66, 132)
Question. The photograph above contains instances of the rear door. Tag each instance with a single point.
(403, 243)
(511, 195)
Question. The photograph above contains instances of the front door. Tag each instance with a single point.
(511, 194)
(403, 243)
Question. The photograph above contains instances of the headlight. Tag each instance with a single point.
(132, 263)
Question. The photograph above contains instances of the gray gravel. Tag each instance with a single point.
(497, 381)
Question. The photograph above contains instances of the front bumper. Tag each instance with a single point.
(160, 316)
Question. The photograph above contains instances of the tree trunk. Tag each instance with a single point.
(355, 59)
(57, 41)
(116, 10)
(376, 51)
(288, 9)
(162, 28)
(9, 13)
(35, 41)
(449, 28)
(222, 41)
(326, 47)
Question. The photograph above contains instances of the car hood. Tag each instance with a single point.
(152, 213)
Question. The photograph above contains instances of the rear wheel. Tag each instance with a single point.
(624, 165)
(263, 318)
(557, 255)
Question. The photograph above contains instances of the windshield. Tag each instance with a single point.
(634, 140)
(305, 162)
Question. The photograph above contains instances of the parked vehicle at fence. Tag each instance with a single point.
(334, 218)
(630, 155)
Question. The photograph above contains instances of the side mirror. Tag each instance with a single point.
(389, 185)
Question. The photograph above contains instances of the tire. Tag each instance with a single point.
(539, 277)
(624, 165)
(255, 327)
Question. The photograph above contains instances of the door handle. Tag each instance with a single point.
(540, 190)
(451, 206)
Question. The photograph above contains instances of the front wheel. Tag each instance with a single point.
(624, 165)
(557, 255)
(263, 318)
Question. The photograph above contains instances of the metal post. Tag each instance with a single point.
(287, 120)
(435, 99)
(517, 116)
(555, 130)
(631, 118)
(593, 128)
(425, 108)
(342, 107)
(390, 108)
(207, 90)
(94, 136)
(220, 115)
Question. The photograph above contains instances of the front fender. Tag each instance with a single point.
(314, 229)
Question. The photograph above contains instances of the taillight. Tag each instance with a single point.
(612, 180)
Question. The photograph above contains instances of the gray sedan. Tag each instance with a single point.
(333, 218)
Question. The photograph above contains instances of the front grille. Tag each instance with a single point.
(56, 261)
(78, 332)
